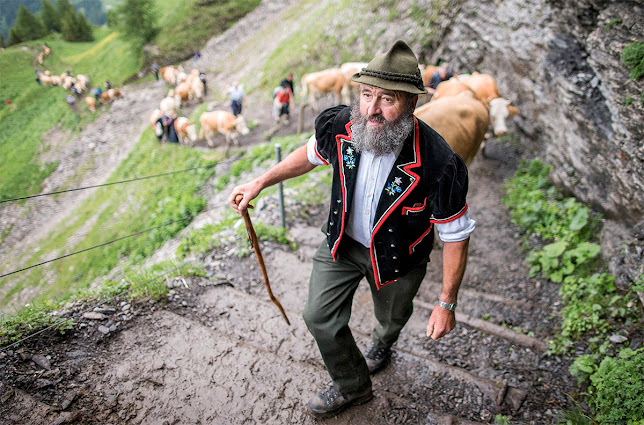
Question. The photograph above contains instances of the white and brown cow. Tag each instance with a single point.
(486, 90)
(186, 131)
(222, 122)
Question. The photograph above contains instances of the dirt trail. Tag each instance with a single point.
(218, 352)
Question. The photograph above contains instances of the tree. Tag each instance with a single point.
(64, 7)
(2, 43)
(139, 19)
(50, 17)
(14, 37)
(28, 25)
(85, 32)
(75, 27)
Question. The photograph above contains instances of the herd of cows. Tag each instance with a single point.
(461, 109)
(189, 87)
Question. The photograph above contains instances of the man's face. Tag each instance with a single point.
(380, 105)
(382, 120)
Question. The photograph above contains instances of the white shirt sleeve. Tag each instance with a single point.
(457, 230)
(310, 152)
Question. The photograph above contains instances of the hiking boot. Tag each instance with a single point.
(376, 357)
(329, 401)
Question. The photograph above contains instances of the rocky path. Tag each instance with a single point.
(218, 352)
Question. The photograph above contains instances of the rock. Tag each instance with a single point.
(92, 315)
(617, 339)
(41, 361)
(105, 310)
(103, 329)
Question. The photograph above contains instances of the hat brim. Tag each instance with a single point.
(387, 84)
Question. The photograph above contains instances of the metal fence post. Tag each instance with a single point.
(280, 192)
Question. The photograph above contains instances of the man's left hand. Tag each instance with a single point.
(440, 322)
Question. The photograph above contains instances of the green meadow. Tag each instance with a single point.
(113, 211)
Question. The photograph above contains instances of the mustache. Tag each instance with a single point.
(376, 118)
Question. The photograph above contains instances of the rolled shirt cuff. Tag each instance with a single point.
(457, 230)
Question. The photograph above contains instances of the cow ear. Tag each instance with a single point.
(513, 111)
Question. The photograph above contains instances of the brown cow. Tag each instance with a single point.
(322, 82)
(109, 95)
(91, 103)
(222, 122)
(462, 121)
(451, 87)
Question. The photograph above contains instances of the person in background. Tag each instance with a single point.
(440, 75)
(288, 82)
(155, 70)
(202, 77)
(395, 180)
(282, 102)
(236, 94)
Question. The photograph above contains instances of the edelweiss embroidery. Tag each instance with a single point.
(349, 159)
(394, 187)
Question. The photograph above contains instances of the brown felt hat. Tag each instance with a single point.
(396, 69)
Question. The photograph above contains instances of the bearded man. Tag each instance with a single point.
(394, 180)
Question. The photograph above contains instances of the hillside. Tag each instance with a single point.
(214, 350)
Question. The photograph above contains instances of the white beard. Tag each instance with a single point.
(379, 141)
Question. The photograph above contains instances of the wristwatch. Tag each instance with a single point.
(447, 306)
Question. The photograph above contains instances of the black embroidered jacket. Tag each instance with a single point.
(426, 185)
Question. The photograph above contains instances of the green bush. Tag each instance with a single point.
(633, 56)
(618, 388)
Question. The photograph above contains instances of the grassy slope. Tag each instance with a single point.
(37, 109)
(189, 25)
(124, 209)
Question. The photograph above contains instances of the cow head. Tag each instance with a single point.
(500, 109)
(240, 125)
(191, 130)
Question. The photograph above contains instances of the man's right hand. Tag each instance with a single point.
(242, 195)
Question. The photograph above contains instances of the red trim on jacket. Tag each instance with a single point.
(407, 210)
(419, 240)
(391, 209)
(318, 154)
(452, 218)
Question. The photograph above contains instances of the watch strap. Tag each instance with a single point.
(447, 306)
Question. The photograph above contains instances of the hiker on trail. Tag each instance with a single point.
(236, 94)
(169, 133)
(202, 77)
(440, 75)
(282, 102)
(97, 91)
(288, 82)
(155, 70)
(38, 77)
(394, 180)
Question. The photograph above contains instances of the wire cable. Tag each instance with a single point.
(130, 289)
(96, 246)
(107, 184)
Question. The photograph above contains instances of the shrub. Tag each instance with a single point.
(633, 56)
(619, 388)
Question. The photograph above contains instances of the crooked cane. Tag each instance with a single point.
(258, 252)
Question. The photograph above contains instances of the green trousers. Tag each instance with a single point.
(328, 310)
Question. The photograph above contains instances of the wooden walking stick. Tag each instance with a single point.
(253, 238)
